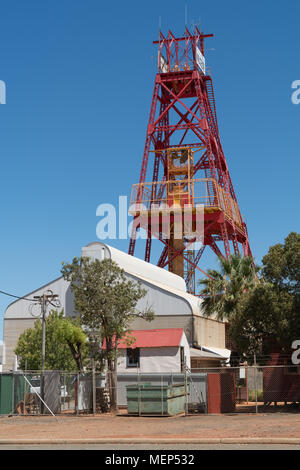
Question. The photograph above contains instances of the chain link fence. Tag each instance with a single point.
(242, 389)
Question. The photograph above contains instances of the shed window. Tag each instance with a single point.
(133, 357)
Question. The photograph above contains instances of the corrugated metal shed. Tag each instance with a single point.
(165, 294)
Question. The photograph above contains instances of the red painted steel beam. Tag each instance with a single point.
(171, 90)
(176, 98)
(197, 259)
(184, 38)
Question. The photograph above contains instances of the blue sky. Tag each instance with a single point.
(79, 77)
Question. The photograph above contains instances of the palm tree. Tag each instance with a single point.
(223, 289)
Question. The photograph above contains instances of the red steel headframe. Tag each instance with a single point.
(183, 114)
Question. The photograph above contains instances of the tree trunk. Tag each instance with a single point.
(112, 384)
(77, 356)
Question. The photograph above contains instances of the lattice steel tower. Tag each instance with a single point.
(184, 175)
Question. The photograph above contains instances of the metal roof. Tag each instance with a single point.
(145, 271)
(210, 353)
(134, 265)
(156, 338)
(142, 270)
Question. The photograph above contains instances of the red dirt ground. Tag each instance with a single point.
(69, 426)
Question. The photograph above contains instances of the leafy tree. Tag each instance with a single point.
(281, 265)
(268, 315)
(70, 332)
(62, 335)
(260, 321)
(107, 304)
(221, 291)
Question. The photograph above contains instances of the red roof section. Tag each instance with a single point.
(152, 338)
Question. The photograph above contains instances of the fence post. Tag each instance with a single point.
(77, 395)
(65, 390)
(139, 393)
(247, 386)
(185, 390)
(12, 393)
(24, 397)
(255, 383)
(94, 386)
(162, 394)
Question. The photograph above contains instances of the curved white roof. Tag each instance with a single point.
(145, 271)
(135, 266)
(165, 281)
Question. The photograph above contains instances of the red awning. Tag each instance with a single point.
(152, 338)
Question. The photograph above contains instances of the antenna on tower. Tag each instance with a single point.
(159, 23)
(185, 15)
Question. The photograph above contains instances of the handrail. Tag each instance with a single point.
(205, 191)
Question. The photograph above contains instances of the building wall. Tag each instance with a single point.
(209, 332)
(166, 321)
(152, 360)
(20, 308)
(164, 359)
(281, 379)
(1, 354)
(160, 300)
(173, 308)
(206, 332)
(13, 327)
(17, 316)
(202, 363)
(199, 331)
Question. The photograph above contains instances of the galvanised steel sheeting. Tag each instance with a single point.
(197, 381)
(11, 391)
(146, 398)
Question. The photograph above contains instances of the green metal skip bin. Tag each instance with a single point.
(146, 398)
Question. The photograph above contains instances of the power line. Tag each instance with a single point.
(16, 296)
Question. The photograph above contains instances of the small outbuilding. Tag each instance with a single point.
(157, 350)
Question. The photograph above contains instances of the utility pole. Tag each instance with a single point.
(44, 300)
